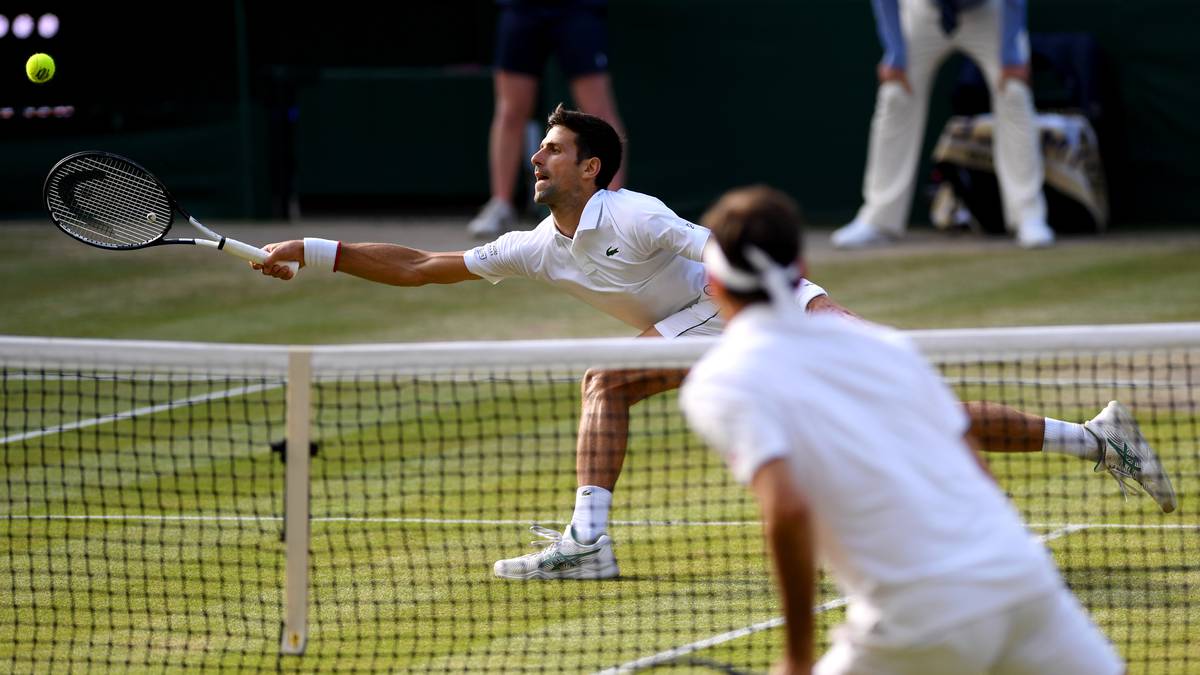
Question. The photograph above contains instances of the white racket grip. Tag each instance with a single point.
(252, 253)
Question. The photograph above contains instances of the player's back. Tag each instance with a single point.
(906, 519)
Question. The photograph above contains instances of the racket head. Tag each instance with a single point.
(108, 201)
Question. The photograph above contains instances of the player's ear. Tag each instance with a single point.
(591, 167)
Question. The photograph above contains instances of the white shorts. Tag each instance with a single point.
(698, 319)
(1047, 635)
(701, 318)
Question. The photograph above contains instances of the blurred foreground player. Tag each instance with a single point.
(876, 476)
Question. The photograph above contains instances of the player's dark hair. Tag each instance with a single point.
(593, 138)
(758, 215)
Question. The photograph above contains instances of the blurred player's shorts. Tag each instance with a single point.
(967, 195)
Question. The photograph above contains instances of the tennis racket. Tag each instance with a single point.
(111, 202)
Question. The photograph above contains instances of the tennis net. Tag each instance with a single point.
(333, 509)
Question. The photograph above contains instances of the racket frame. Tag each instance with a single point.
(220, 242)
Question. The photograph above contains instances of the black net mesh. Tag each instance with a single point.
(143, 515)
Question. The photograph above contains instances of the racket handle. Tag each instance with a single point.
(251, 253)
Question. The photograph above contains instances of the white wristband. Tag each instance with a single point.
(806, 291)
(321, 254)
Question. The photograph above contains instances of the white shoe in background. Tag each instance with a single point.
(1035, 234)
(860, 234)
(494, 219)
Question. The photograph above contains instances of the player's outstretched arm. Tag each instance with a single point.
(382, 263)
(823, 303)
(788, 530)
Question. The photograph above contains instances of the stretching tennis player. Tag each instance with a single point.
(876, 476)
(631, 257)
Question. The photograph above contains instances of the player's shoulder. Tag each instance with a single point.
(627, 203)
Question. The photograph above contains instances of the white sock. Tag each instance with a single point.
(1068, 438)
(591, 513)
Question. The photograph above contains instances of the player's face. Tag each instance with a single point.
(559, 176)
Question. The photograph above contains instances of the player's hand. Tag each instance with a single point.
(893, 74)
(280, 253)
(823, 303)
(1019, 73)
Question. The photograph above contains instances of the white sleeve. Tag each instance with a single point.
(806, 291)
(737, 427)
(661, 229)
(509, 256)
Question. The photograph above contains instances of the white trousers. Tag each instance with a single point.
(898, 125)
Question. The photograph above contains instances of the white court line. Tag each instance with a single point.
(129, 414)
(676, 652)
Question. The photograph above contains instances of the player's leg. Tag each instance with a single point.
(520, 57)
(604, 421)
(604, 435)
(1001, 428)
(1111, 439)
(897, 128)
(1018, 157)
(581, 47)
(584, 550)
(600, 454)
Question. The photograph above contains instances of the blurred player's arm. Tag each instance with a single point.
(1014, 57)
(788, 531)
(824, 303)
(893, 66)
(383, 263)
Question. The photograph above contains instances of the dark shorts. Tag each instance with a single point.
(577, 36)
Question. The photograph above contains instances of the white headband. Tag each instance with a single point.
(775, 279)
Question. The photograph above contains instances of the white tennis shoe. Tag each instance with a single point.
(861, 234)
(1035, 234)
(561, 557)
(494, 219)
(1127, 455)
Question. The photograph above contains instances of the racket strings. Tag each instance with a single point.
(113, 214)
(112, 210)
(124, 203)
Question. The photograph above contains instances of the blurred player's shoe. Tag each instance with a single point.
(860, 234)
(1128, 455)
(562, 557)
(1035, 234)
(494, 219)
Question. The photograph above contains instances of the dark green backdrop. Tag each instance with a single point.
(388, 107)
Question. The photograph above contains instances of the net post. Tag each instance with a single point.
(296, 505)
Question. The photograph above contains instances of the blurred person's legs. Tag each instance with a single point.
(522, 49)
(593, 95)
(581, 47)
(1017, 151)
(897, 128)
(515, 95)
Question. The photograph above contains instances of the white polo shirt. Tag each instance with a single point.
(631, 257)
(916, 535)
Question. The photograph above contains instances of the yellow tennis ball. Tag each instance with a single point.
(39, 68)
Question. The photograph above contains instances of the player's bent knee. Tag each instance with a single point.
(597, 383)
